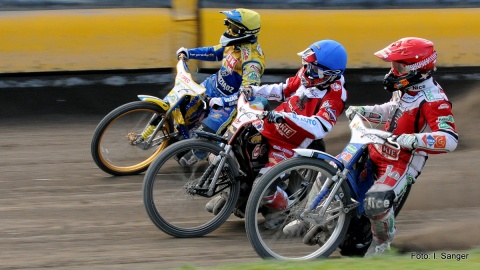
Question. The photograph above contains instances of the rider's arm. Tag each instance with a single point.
(278, 91)
(212, 53)
(320, 124)
(380, 113)
(272, 91)
(443, 136)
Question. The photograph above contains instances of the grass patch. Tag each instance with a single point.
(438, 260)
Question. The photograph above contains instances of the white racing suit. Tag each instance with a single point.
(423, 110)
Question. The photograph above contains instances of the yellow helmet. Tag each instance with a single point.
(243, 26)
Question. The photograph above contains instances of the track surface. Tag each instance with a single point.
(59, 211)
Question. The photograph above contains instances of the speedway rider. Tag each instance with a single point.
(243, 64)
(312, 101)
(420, 114)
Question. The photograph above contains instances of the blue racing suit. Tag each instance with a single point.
(242, 64)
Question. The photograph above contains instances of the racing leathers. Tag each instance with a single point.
(424, 111)
(309, 114)
(242, 64)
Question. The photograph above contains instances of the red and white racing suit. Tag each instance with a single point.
(423, 110)
(309, 113)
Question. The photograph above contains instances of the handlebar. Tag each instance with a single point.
(264, 115)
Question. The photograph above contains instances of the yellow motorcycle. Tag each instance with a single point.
(131, 136)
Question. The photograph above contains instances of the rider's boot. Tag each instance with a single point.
(296, 228)
(377, 248)
(188, 159)
(299, 227)
(216, 204)
(191, 157)
(275, 203)
(383, 229)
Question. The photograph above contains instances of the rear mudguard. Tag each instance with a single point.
(320, 155)
(155, 100)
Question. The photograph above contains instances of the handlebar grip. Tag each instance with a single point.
(280, 120)
(182, 56)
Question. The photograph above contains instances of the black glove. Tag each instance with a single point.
(274, 117)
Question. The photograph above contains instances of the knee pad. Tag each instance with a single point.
(377, 203)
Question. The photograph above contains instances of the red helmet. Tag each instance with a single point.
(413, 61)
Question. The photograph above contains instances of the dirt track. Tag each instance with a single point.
(59, 211)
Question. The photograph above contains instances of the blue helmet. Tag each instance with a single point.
(324, 62)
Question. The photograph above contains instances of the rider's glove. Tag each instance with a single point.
(274, 117)
(248, 91)
(183, 51)
(408, 141)
(352, 110)
(215, 102)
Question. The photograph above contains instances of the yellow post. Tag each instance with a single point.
(184, 14)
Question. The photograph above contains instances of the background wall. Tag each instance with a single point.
(113, 35)
(286, 32)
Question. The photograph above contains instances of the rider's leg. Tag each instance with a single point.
(378, 208)
(215, 122)
(379, 201)
(274, 201)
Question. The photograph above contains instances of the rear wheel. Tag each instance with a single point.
(113, 148)
(319, 241)
(174, 195)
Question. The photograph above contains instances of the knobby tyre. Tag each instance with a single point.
(111, 147)
(319, 241)
(171, 197)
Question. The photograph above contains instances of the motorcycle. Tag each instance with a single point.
(175, 195)
(335, 208)
(131, 136)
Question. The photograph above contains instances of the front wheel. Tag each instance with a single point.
(321, 240)
(115, 147)
(175, 194)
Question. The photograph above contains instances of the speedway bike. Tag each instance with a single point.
(334, 210)
(131, 136)
(175, 195)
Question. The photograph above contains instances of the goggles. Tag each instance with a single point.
(400, 69)
(319, 71)
(233, 28)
